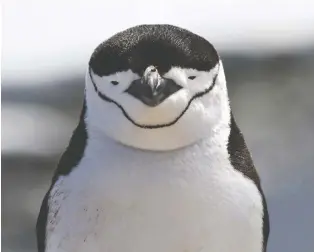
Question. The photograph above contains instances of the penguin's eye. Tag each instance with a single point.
(114, 82)
(192, 77)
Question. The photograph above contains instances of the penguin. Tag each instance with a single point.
(157, 162)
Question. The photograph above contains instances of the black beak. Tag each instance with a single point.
(152, 89)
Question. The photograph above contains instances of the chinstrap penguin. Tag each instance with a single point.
(157, 162)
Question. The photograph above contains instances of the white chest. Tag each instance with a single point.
(132, 201)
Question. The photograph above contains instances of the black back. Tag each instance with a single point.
(241, 160)
(160, 45)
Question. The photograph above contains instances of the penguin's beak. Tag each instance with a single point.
(152, 89)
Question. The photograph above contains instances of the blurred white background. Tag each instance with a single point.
(268, 51)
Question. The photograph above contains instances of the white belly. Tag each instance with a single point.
(148, 202)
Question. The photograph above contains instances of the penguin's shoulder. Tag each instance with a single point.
(239, 154)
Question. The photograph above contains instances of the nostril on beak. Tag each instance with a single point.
(150, 70)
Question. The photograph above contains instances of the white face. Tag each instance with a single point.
(178, 121)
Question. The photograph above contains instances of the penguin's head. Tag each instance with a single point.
(155, 87)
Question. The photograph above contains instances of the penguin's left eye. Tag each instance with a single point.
(192, 77)
(114, 82)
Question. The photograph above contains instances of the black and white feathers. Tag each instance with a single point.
(162, 167)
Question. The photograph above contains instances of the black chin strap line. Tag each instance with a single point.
(157, 126)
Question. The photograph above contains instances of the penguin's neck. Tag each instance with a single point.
(94, 144)
(216, 141)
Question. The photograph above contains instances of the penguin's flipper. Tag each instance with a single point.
(68, 161)
(241, 160)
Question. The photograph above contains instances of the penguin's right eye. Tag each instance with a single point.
(114, 82)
